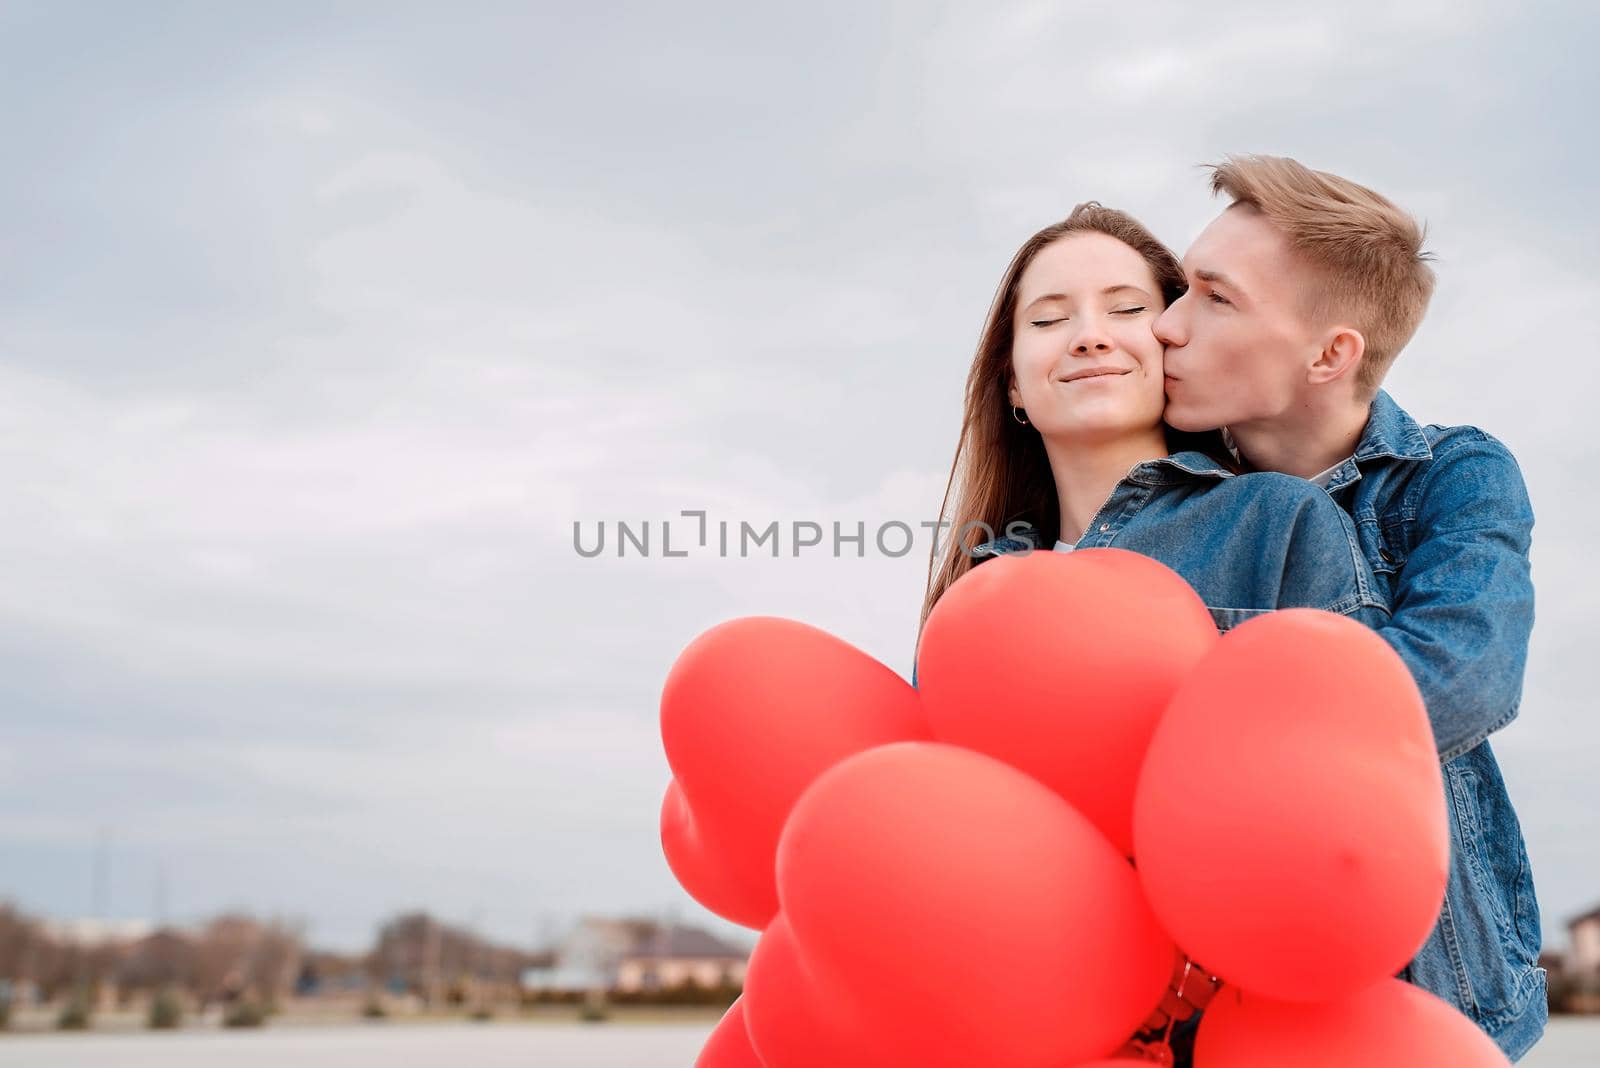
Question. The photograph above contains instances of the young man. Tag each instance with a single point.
(1302, 292)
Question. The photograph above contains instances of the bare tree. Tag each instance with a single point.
(237, 955)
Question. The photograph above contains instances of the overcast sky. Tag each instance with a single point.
(321, 325)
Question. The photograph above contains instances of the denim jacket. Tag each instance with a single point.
(1444, 521)
(1248, 544)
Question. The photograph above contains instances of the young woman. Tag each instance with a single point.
(1062, 444)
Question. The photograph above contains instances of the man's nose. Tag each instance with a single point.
(1169, 325)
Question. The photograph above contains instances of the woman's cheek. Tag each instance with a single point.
(1030, 363)
(1147, 350)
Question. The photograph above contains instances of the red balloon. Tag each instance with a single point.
(729, 1045)
(705, 870)
(1061, 664)
(966, 912)
(1290, 820)
(751, 712)
(1387, 1024)
(793, 1020)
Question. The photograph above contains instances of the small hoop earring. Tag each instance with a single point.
(1016, 414)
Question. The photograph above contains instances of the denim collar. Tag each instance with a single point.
(1389, 434)
(1392, 433)
(1179, 467)
(1026, 536)
(1166, 470)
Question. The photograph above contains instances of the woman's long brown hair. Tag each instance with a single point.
(1000, 464)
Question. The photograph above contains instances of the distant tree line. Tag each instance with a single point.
(236, 959)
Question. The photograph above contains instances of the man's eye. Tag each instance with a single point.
(1218, 298)
(1047, 322)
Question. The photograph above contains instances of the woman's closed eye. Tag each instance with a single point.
(1134, 310)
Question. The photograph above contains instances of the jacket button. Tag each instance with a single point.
(1104, 527)
(1385, 555)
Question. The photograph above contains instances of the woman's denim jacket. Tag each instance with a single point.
(1253, 543)
(1248, 544)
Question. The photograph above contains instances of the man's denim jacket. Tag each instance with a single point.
(1440, 534)
(1444, 521)
(1248, 544)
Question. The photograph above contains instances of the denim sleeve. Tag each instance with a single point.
(1323, 566)
(1463, 600)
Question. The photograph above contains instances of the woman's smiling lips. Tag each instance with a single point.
(1095, 372)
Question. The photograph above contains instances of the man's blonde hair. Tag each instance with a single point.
(1367, 253)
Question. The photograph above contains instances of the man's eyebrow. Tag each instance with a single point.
(1217, 278)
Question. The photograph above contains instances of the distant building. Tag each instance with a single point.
(586, 959)
(677, 956)
(633, 954)
(1583, 961)
(324, 974)
(93, 932)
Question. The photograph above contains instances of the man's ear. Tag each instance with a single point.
(1341, 355)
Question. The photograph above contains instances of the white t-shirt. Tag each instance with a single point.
(1063, 547)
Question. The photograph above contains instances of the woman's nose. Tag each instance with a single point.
(1091, 341)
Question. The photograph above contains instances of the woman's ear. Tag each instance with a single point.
(1013, 394)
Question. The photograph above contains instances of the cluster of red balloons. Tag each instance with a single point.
(999, 867)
